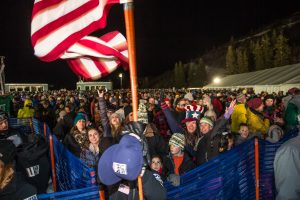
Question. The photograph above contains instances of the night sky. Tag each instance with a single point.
(166, 31)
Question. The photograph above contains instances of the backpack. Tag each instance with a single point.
(33, 161)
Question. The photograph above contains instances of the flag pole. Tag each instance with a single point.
(130, 34)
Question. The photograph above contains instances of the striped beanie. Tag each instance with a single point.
(207, 120)
(177, 139)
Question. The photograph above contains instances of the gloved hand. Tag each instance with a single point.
(174, 179)
(137, 128)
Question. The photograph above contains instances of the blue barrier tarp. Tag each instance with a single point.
(228, 176)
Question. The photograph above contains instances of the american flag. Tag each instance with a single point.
(92, 58)
(58, 25)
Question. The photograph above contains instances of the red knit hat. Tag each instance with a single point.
(254, 103)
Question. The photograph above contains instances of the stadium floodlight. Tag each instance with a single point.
(216, 80)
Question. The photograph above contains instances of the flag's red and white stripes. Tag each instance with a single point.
(93, 57)
(59, 29)
(58, 24)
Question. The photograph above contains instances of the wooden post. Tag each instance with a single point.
(130, 34)
(52, 163)
(45, 130)
(256, 168)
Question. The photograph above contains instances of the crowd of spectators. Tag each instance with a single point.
(178, 129)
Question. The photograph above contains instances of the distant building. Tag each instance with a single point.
(29, 87)
(93, 85)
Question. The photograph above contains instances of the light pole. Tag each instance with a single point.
(121, 76)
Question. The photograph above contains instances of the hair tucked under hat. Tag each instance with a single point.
(177, 139)
(255, 103)
(240, 96)
(207, 120)
(79, 116)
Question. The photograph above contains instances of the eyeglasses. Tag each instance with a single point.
(181, 105)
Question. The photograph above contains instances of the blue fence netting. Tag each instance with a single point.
(231, 175)
(71, 172)
(267, 152)
(22, 125)
(228, 176)
(89, 193)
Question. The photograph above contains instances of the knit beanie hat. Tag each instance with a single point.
(240, 96)
(79, 116)
(189, 96)
(115, 115)
(255, 103)
(177, 139)
(7, 151)
(207, 120)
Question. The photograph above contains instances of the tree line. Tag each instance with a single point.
(266, 51)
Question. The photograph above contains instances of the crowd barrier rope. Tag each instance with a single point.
(231, 175)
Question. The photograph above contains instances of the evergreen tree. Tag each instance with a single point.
(282, 51)
(230, 60)
(192, 75)
(267, 51)
(274, 38)
(179, 75)
(251, 57)
(245, 62)
(201, 73)
(258, 56)
(241, 60)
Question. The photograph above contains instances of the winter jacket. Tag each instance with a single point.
(292, 113)
(156, 144)
(33, 162)
(169, 166)
(153, 188)
(18, 189)
(14, 135)
(107, 131)
(257, 123)
(178, 128)
(27, 111)
(161, 123)
(90, 157)
(75, 141)
(238, 117)
(60, 130)
(207, 146)
(286, 170)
